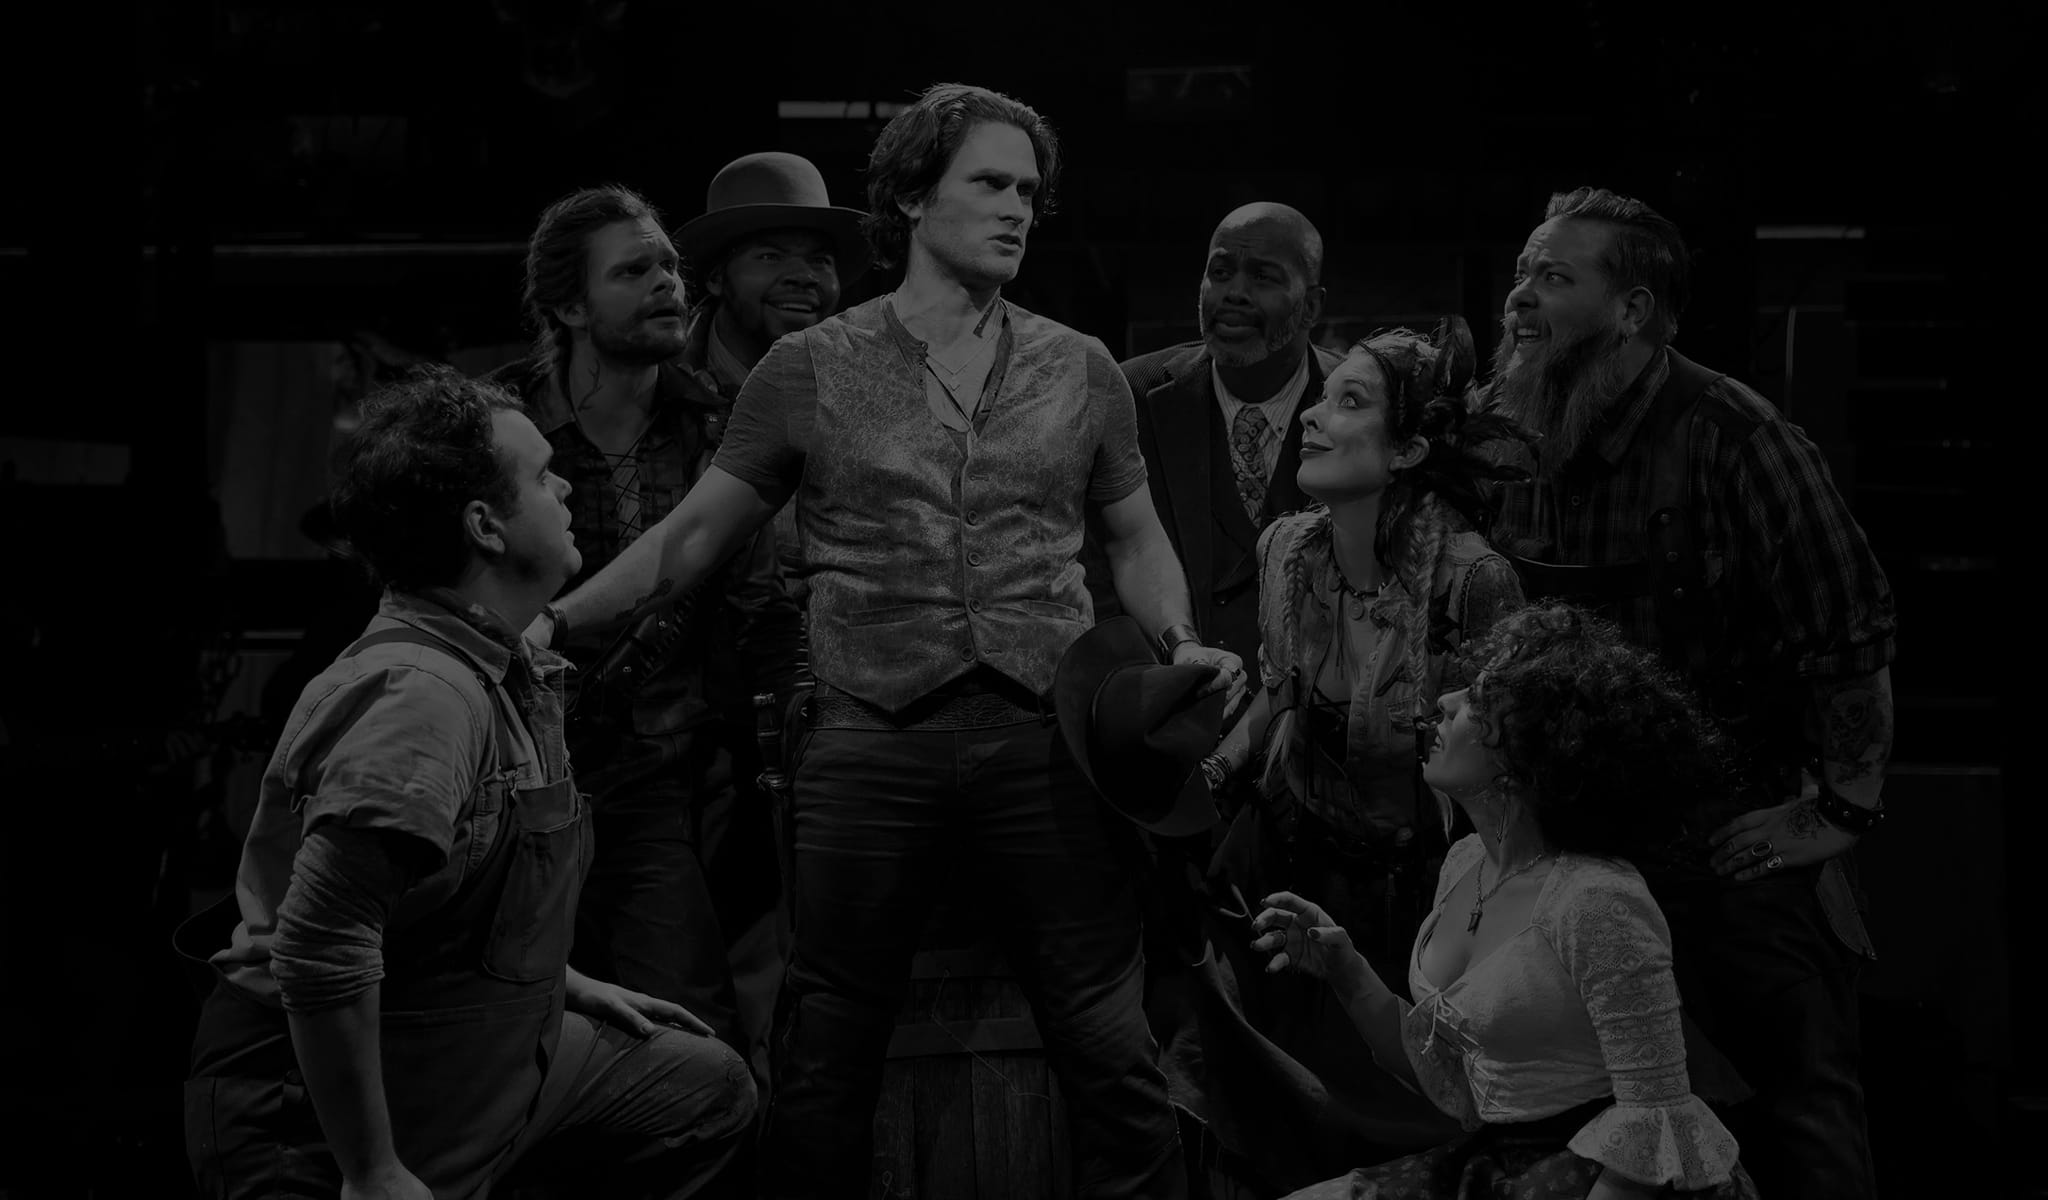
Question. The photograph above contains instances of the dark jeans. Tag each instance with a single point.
(668, 907)
(1761, 971)
(617, 1115)
(882, 819)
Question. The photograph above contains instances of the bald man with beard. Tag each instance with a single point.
(1219, 419)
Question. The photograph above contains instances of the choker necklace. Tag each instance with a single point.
(1480, 898)
(1364, 596)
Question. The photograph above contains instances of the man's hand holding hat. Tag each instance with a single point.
(1180, 647)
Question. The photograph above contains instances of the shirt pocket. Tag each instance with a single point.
(487, 818)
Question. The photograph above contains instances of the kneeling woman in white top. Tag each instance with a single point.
(1546, 1019)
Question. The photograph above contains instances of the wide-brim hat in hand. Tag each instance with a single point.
(1139, 729)
(772, 190)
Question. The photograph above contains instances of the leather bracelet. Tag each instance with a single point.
(558, 626)
(1172, 637)
(1850, 818)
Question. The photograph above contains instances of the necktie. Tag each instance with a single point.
(1248, 433)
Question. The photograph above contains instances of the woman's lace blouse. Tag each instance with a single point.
(1579, 1004)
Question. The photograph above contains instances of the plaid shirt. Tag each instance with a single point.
(613, 499)
(1795, 583)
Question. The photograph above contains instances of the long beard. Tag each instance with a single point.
(1563, 395)
(1276, 340)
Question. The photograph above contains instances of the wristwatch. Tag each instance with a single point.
(1172, 636)
(558, 626)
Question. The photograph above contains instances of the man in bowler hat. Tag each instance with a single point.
(768, 257)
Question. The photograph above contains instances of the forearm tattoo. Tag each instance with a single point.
(662, 587)
(1856, 718)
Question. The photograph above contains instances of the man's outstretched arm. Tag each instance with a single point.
(668, 560)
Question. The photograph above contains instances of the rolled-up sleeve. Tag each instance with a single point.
(394, 749)
(328, 948)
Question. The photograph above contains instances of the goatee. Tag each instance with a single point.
(1563, 395)
(1234, 355)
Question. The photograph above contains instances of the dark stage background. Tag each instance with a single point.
(226, 220)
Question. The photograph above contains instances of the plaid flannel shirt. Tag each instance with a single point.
(747, 632)
(1797, 585)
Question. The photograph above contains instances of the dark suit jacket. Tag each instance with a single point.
(1187, 464)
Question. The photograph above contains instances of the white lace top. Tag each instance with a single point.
(1578, 1004)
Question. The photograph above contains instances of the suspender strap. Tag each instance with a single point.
(508, 749)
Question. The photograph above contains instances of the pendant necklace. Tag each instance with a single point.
(1363, 596)
(956, 372)
(1480, 898)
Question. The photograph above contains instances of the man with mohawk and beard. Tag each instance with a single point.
(1684, 505)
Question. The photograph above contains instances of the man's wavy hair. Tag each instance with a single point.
(425, 448)
(918, 144)
(558, 262)
(1607, 745)
(1646, 251)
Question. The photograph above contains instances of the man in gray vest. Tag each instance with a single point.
(943, 447)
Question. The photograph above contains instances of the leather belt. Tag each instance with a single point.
(968, 708)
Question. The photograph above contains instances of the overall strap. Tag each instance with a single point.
(507, 745)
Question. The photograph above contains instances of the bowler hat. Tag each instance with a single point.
(771, 190)
(1139, 729)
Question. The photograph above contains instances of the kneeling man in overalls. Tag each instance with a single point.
(395, 1016)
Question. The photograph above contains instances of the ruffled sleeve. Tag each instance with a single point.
(1614, 942)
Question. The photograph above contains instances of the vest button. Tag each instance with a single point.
(1671, 556)
(967, 653)
(974, 558)
(1678, 593)
(1664, 518)
(973, 517)
(1577, 501)
(974, 605)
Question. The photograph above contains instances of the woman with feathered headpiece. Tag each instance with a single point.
(1363, 597)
